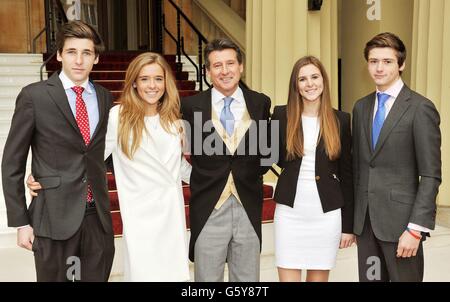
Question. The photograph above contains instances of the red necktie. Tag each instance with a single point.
(82, 119)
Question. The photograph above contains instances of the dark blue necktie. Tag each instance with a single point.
(226, 116)
(379, 117)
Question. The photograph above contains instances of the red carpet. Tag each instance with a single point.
(267, 215)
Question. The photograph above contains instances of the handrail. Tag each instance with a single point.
(61, 11)
(204, 76)
(188, 21)
(45, 63)
(200, 73)
(190, 60)
(33, 48)
(179, 41)
(167, 30)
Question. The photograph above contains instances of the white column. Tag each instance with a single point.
(430, 72)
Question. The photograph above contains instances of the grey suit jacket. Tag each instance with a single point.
(398, 181)
(61, 162)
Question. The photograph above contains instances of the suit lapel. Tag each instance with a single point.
(59, 97)
(101, 101)
(204, 107)
(254, 111)
(221, 132)
(253, 107)
(367, 118)
(232, 142)
(400, 106)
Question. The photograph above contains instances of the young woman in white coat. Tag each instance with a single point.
(145, 138)
(314, 193)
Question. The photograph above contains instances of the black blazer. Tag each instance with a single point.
(60, 162)
(334, 178)
(210, 171)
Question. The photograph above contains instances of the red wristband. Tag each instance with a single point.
(412, 234)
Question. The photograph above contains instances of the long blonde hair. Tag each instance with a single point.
(132, 112)
(329, 124)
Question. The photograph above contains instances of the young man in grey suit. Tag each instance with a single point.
(68, 225)
(397, 168)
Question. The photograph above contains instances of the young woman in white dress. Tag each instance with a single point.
(144, 137)
(314, 193)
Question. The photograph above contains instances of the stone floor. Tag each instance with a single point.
(443, 216)
(17, 264)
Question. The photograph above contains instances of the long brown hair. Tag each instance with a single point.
(329, 125)
(132, 111)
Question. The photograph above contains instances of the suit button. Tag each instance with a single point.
(317, 177)
(84, 180)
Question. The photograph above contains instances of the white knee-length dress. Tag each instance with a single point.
(305, 236)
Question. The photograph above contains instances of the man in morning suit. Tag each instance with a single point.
(226, 180)
(397, 168)
(63, 120)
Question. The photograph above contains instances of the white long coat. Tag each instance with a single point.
(151, 204)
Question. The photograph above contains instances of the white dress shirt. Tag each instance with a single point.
(393, 91)
(89, 98)
(237, 106)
